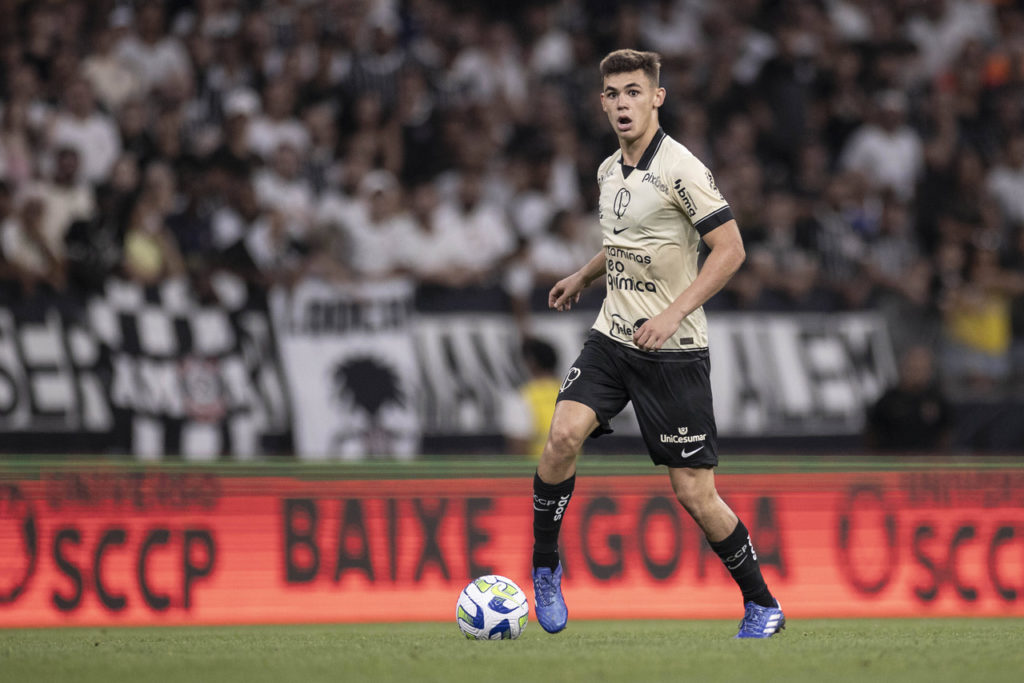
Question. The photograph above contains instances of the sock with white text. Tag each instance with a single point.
(737, 553)
(549, 504)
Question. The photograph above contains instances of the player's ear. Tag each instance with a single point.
(659, 97)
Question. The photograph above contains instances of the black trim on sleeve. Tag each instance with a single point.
(713, 220)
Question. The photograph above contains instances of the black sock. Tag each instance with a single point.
(549, 504)
(737, 553)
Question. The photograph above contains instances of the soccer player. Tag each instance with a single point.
(649, 344)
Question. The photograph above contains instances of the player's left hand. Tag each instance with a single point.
(655, 332)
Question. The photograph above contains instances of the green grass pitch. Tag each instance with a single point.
(636, 651)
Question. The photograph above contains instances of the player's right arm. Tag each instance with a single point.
(567, 291)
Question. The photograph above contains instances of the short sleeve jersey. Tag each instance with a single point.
(652, 219)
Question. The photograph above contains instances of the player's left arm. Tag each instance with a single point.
(726, 257)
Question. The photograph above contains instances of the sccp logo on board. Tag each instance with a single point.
(18, 543)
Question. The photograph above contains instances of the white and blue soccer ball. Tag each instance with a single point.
(492, 607)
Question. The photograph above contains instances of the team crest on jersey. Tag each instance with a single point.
(622, 198)
(572, 376)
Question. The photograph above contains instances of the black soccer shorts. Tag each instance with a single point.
(670, 390)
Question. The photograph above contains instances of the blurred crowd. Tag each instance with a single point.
(872, 150)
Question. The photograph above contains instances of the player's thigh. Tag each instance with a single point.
(672, 400)
(596, 381)
(692, 484)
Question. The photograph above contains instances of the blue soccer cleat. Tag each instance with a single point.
(761, 622)
(547, 596)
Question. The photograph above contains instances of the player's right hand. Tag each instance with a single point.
(565, 293)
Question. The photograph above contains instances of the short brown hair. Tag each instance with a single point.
(624, 61)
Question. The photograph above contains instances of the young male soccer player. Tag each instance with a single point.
(649, 344)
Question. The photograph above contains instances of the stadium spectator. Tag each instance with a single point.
(95, 247)
(135, 130)
(886, 150)
(111, 81)
(16, 155)
(484, 236)
(783, 260)
(1005, 182)
(526, 414)
(147, 49)
(65, 199)
(378, 58)
(281, 187)
(434, 243)
(151, 254)
(373, 226)
(320, 165)
(569, 241)
(29, 252)
(92, 133)
(277, 123)
(977, 325)
(940, 28)
(913, 415)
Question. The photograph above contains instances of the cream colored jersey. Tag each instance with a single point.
(652, 219)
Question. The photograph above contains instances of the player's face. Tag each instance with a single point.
(631, 103)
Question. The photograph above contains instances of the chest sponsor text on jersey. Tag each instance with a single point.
(620, 268)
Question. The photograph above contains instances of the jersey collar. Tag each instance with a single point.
(648, 156)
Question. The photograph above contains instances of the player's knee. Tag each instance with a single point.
(563, 442)
(697, 499)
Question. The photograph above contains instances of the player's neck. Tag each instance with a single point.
(633, 150)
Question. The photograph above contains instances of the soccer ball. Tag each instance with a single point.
(492, 607)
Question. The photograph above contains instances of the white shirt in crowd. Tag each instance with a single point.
(95, 138)
(112, 81)
(483, 233)
(940, 41)
(63, 206)
(291, 197)
(432, 252)
(1006, 184)
(19, 249)
(265, 135)
(156, 63)
(888, 160)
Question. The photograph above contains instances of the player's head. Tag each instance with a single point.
(627, 61)
(630, 94)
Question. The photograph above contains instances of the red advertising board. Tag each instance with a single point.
(126, 547)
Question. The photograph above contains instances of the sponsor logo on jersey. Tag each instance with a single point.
(627, 283)
(622, 328)
(656, 181)
(691, 208)
(684, 437)
(626, 255)
(620, 203)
